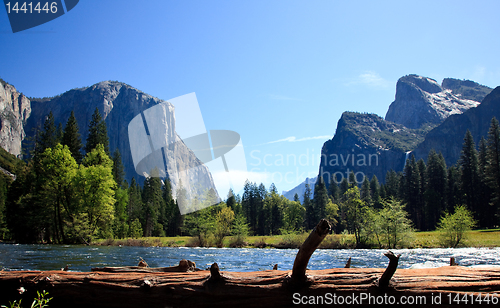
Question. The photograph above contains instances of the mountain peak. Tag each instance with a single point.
(420, 100)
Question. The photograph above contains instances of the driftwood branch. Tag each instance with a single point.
(390, 270)
(348, 263)
(307, 249)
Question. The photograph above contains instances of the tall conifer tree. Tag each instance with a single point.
(98, 133)
(71, 138)
(493, 163)
(469, 166)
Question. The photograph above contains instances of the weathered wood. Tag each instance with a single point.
(186, 286)
(249, 289)
(390, 270)
(348, 263)
(452, 262)
(184, 266)
(307, 249)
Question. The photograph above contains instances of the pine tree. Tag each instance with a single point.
(118, 169)
(365, 192)
(135, 205)
(434, 194)
(97, 133)
(153, 207)
(344, 186)
(320, 200)
(71, 138)
(333, 189)
(308, 205)
(493, 163)
(453, 196)
(375, 192)
(48, 136)
(172, 213)
(411, 192)
(485, 193)
(469, 166)
(391, 184)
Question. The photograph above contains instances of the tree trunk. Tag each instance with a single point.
(248, 289)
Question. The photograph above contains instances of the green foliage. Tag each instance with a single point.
(356, 215)
(98, 133)
(120, 225)
(135, 228)
(71, 138)
(454, 227)
(118, 169)
(293, 216)
(331, 212)
(469, 166)
(8, 161)
(223, 224)
(200, 224)
(41, 301)
(393, 224)
(95, 188)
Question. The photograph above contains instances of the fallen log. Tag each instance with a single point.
(245, 289)
(184, 266)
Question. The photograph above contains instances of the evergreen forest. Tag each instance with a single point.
(67, 192)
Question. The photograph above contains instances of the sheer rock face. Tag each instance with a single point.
(367, 145)
(118, 104)
(421, 100)
(15, 109)
(448, 137)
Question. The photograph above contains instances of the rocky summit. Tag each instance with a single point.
(366, 144)
(421, 100)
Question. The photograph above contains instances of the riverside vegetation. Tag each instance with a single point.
(62, 196)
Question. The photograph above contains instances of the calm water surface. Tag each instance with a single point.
(83, 258)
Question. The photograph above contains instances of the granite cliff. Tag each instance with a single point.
(421, 100)
(423, 116)
(118, 104)
(15, 109)
(366, 144)
(448, 137)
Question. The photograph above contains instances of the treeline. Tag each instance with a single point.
(61, 195)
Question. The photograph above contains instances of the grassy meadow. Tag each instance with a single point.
(429, 239)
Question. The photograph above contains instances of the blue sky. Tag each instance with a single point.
(280, 73)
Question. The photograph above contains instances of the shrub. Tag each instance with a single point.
(453, 228)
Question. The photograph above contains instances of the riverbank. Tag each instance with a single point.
(429, 239)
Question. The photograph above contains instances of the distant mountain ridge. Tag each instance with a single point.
(300, 189)
(423, 116)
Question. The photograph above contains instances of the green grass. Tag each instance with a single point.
(427, 239)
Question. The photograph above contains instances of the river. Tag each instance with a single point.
(83, 258)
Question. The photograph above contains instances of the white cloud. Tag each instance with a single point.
(370, 79)
(238, 178)
(295, 139)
